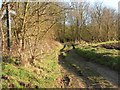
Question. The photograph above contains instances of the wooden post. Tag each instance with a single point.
(8, 29)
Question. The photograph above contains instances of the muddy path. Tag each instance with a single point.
(86, 74)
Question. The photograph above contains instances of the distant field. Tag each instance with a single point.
(106, 53)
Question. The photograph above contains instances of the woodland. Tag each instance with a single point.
(59, 45)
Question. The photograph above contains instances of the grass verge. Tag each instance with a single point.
(42, 74)
(107, 57)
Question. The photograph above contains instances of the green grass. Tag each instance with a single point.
(107, 57)
(44, 78)
(108, 42)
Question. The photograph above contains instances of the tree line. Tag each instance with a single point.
(85, 22)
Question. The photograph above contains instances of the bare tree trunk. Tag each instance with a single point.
(77, 29)
(22, 44)
(2, 37)
(24, 59)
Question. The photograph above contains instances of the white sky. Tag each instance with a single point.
(108, 3)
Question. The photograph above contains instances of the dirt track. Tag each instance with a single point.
(91, 74)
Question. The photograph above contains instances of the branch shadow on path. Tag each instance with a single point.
(76, 65)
